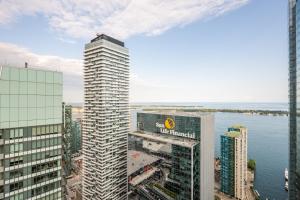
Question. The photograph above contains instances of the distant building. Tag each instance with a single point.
(71, 142)
(294, 99)
(67, 136)
(30, 133)
(76, 136)
(234, 162)
(188, 139)
(105, 119)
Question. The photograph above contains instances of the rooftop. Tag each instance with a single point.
(138, 159)
(108, 38)
(178, 113)
(30, 67)
(233, 134)
(165, 138)
(238, 126)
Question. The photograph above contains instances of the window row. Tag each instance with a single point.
(31, 158)
(28, 114)
(30, 170)
(32, 75)
(27, 195)
(31, 145)
(46, 177)
(16, 87)
(45, 188)
(29, 131)
(29, 100)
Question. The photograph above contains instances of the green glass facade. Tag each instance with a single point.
(185, 171)
(76, 137)
(227, 165)
(30, 129)
(184, 124)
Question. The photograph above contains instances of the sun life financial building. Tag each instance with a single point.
(191, 136)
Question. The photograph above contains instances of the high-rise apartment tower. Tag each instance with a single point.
(234, 162)
(106, 119)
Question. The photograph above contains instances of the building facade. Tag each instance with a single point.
(106, 119)
(76, 136)
(294, 100)
(30, 130)
(67, 139)
(190, 137)
(234, 162)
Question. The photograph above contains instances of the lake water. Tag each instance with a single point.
(267, 142)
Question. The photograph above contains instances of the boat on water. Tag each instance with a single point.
(256, 193)
(286, 187)
(286, 174)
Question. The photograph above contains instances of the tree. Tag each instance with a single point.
(252, 164)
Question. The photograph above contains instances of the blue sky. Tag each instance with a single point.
(215, 50)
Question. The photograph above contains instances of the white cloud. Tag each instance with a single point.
(119, 18)
(13, 55)
(16, 56)
(65, 40)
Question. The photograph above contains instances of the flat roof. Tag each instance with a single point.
(108, 38)
(138, 159)
(178, 113)
(165, 138)
(237, 126)
(32, 67)
(233, 134)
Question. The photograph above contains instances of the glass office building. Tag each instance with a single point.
(191, 136)
(294, 98)
(30, 133)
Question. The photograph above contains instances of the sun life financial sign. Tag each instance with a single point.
(168, 128)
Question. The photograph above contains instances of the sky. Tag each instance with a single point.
(180, 51)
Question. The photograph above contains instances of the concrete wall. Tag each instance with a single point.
(207, 158)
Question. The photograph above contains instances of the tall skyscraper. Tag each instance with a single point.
(30, 132)
(106, 119)
(294, 98)
(234, 162)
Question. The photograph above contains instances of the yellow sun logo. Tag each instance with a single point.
(169, 123)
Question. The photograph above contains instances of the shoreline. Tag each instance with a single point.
(202, 109)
